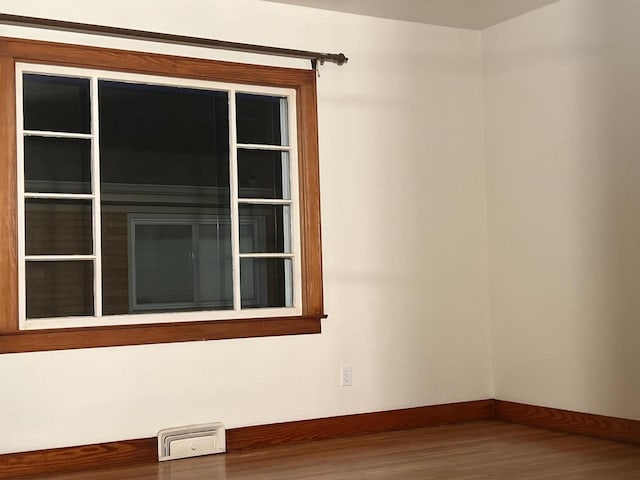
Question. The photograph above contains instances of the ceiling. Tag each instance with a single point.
(473, 14)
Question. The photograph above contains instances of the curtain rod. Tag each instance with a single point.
(35, 22)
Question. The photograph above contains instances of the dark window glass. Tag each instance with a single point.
(163, 264)
(57, 165)
(59, 289)
(57, 104)
(264, 228)
(263, 174)
(164, 152)
(164, 136)
(214, 265)
(266, 282)
(183, 266)
(115, 263)
(260, 120)
(58, 227)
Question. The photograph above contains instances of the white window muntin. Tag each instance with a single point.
(231, 89)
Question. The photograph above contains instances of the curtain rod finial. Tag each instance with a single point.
(341, 59)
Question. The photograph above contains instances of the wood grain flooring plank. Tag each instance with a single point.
(470, 451)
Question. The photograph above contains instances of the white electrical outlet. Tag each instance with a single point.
(346, 377)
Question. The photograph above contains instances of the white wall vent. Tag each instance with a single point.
(191, 441)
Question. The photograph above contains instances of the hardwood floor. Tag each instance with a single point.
(479, 450)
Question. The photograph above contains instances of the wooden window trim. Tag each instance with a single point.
(12, 340)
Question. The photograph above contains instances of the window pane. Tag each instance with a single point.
(115, 263)
(174, 141)
(265, 229)
(59, 289)
(215, 270)
(58, 227)
(261, 119)
(57, 165)
(164, 154)
(263, 174)
(266, 282)
(57, 104)
(163, 264)
(173, 272)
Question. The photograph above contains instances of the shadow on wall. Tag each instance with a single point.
(414, 267)
(616, 343)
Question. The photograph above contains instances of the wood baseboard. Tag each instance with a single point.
(348, 425)
(608, 428)
(88, 457)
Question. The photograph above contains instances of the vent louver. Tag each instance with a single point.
(191, 441)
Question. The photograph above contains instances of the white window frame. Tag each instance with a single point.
(98, 319)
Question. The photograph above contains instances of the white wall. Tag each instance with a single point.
(404, 243)
(562, 149)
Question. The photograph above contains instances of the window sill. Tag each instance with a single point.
(113, 336)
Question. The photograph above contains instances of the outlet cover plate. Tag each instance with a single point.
(346, 376)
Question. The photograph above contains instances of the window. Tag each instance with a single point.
(155, 199)
(143, 195)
